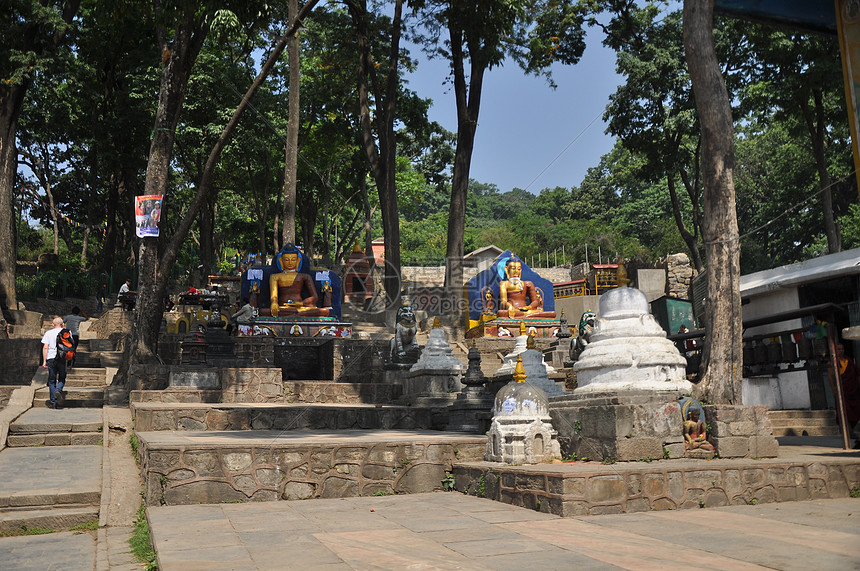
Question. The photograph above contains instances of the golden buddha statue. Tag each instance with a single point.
(695, 436)
(287, 289)
(518, 297)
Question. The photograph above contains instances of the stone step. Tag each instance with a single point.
(284, 417)
(773, 414)
(781, 422)
(182, 468)
(51, 439)
(40, 426)
(75, 397)
(321, 392)
(574, 489)
(56, 519)
(806, 430)
(45, 476)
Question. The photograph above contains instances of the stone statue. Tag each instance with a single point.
(695, 436)
(291, 291)
(405, 339)
(586, 328)
(518, 297)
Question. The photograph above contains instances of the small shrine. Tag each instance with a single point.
(435, 378)
(521, 431)
(507, 293)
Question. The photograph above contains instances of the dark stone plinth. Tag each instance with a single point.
(636, 426)
(472, 411)
(219, 345)
(403, 362)
(307, 359)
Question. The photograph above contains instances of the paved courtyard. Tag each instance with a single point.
(453, 531)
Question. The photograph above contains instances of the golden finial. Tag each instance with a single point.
(355, 248)
(436, 324)
(522, 327)
(530, 342)
(519, 371)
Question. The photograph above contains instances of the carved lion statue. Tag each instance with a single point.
(405, 332)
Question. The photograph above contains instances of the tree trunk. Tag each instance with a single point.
(722, 355)
(292, 148)
(689, 238)
(11, 101)
(468, 99)
(10, 108)
(382, 161)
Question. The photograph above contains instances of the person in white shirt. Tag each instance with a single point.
(244, 315)
(56, 367)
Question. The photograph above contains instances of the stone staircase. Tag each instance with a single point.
(85, 386)
(60, 489)
(804, 423)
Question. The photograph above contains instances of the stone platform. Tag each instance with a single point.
(296, 326)
(546, 328)
(273, 416)
(283, 391)
(213, 467)
(592, 488)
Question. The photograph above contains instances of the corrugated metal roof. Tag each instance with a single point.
(793, 275)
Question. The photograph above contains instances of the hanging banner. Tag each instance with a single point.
(147, 211)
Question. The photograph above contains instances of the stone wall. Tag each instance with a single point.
(679, 275)
(613, 489)
(21, 358)
(112, 322)
(741, 431)
(211, 417)
(194, 475)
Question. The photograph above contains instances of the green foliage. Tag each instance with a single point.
(855, 491)
(481, 490)
(24, 530)
(140, 543)
(91, 525)
(448, 482)
(572, 457)
(381, 493)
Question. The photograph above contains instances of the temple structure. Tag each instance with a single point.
(508, 293)
(292, 299)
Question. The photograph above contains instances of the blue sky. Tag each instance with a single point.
(524, 124)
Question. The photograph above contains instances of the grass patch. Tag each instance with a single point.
(91, 525)
(141, 545)
(24, 530)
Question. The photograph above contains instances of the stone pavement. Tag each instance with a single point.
(453, 531)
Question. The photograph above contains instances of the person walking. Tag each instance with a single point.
(73, 324)
(56, 367)
(102, 295)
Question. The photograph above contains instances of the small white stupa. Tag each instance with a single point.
(522, 348)
(629, 351)
(521, 431)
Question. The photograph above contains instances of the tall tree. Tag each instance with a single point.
(722, 357)
(29, 32)
(377, 101)
(480, 36)
(798, 74)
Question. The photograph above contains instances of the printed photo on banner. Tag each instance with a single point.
(147, 211)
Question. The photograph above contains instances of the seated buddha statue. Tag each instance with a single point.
(694, 433)
(518, 297)
(291, 291)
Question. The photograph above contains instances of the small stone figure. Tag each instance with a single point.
(404, 340)
(586, 328)
(695, 436)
